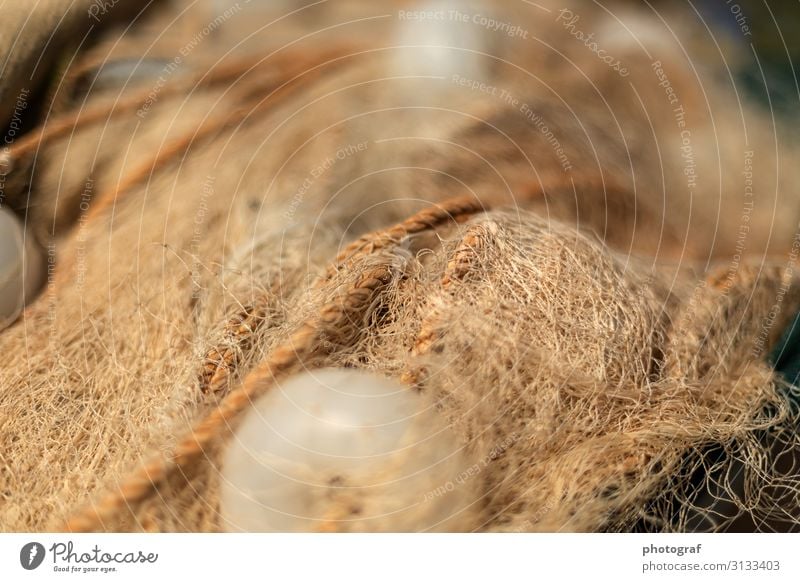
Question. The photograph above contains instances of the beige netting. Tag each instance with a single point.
(269, 213)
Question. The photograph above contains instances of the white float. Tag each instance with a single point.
(344, 450)
(439, 38)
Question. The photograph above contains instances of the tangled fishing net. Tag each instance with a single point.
(592, 338)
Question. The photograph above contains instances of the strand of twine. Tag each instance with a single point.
(455, 210)
(221, 360)
(311, 339)
(464, 258)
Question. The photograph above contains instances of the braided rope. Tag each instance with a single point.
(461, 263)
(222, 359)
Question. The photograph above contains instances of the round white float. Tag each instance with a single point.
(344, 450)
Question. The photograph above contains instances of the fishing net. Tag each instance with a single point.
(527, 260)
